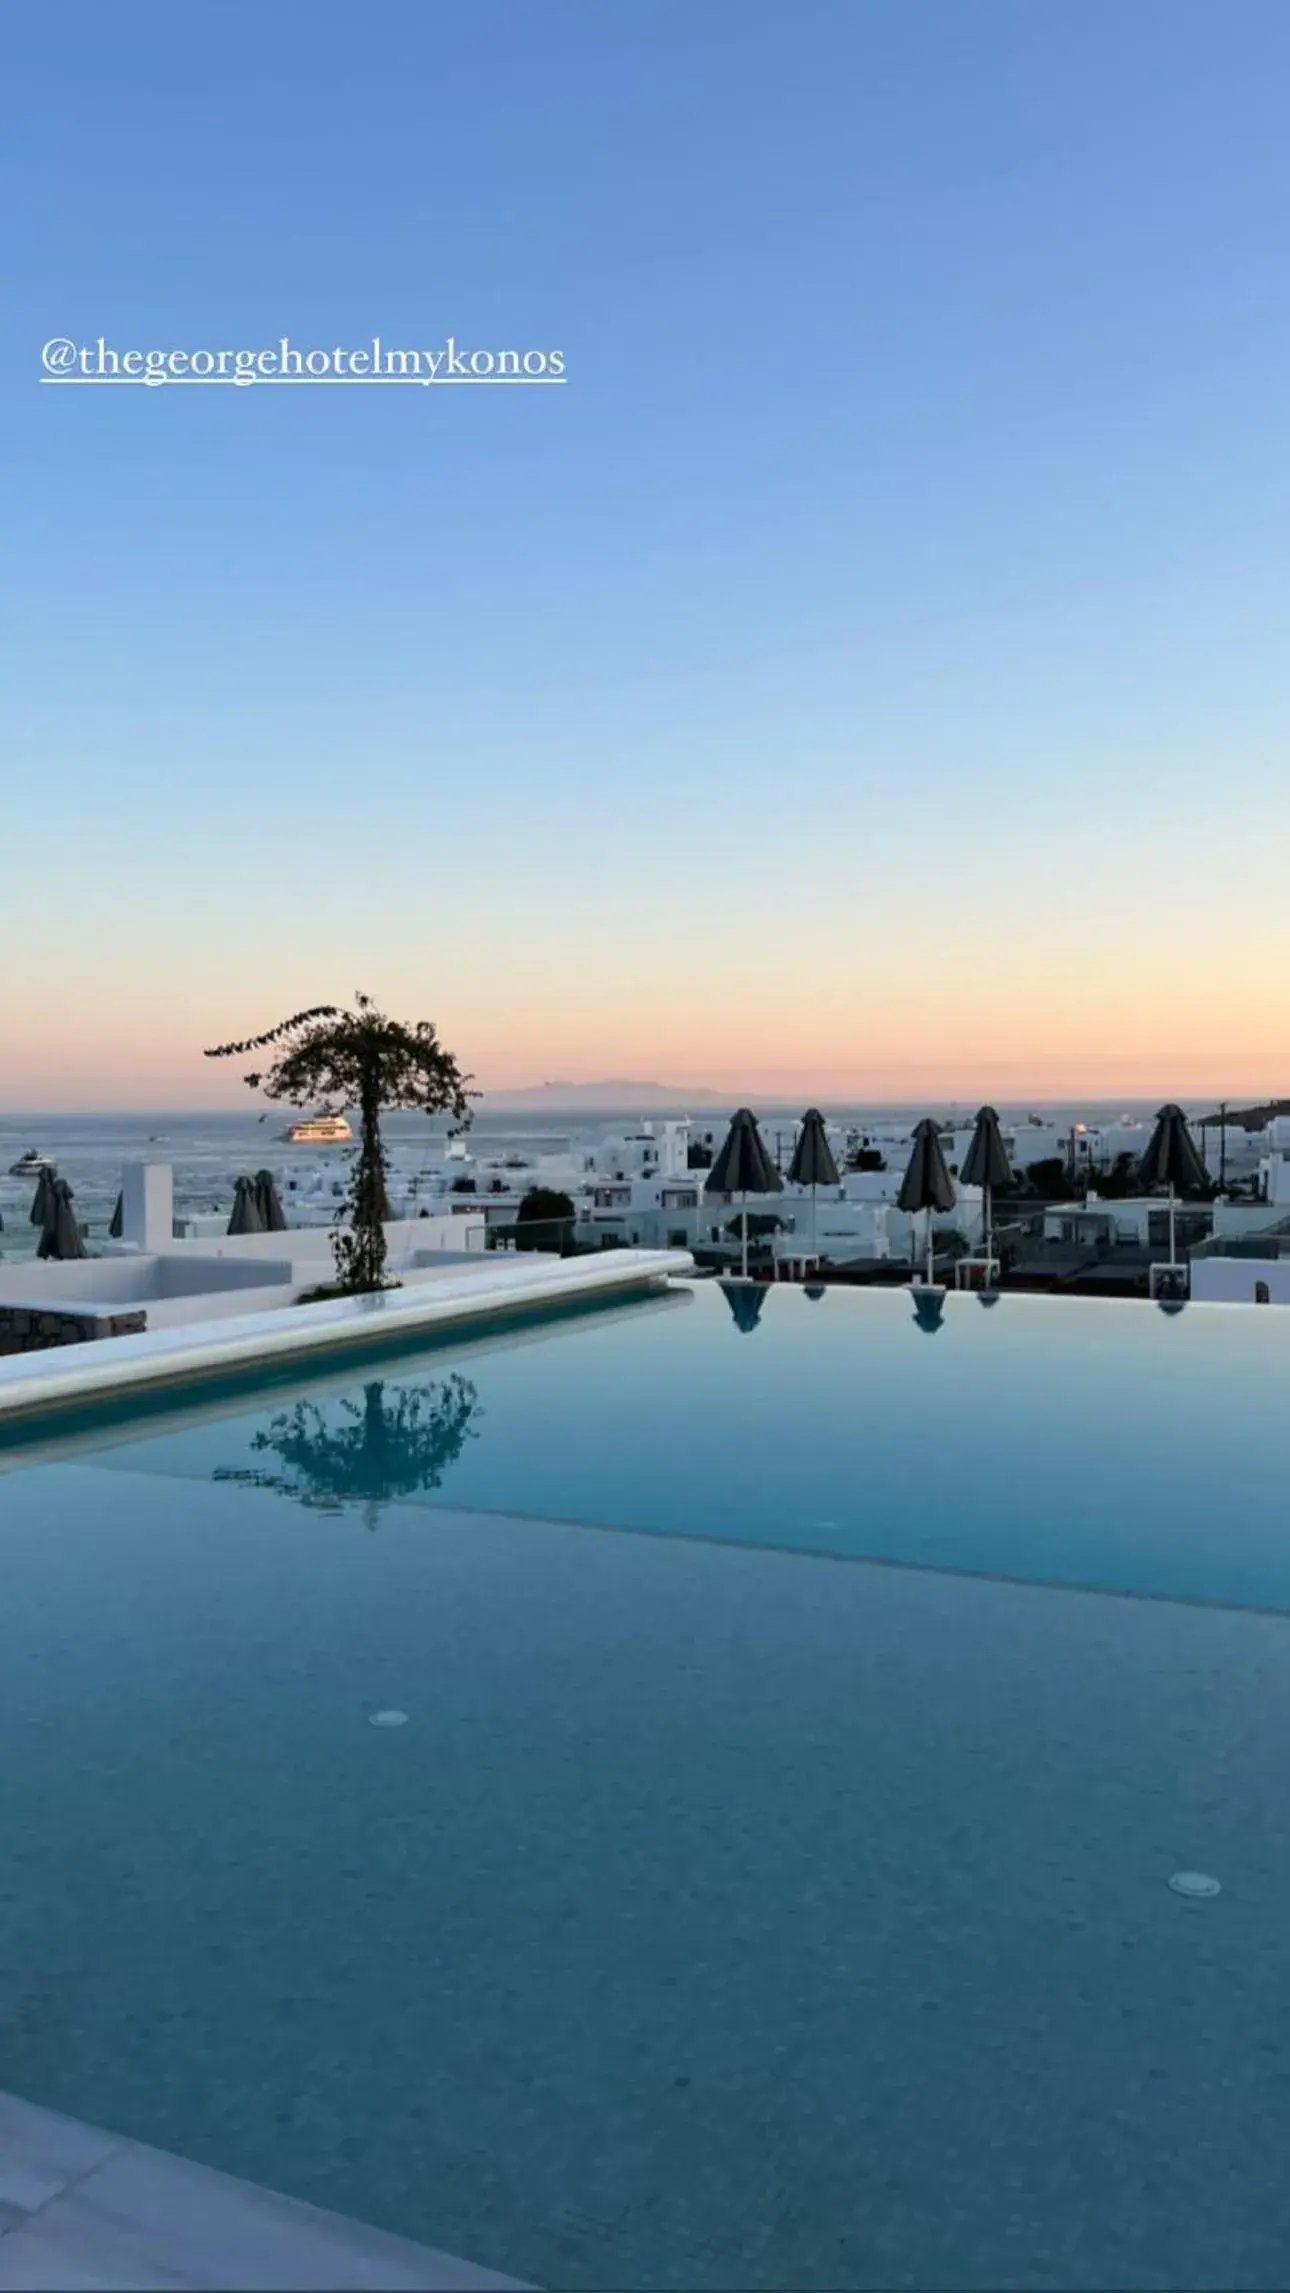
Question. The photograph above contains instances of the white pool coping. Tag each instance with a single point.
(34, 1382)
(79, 2207)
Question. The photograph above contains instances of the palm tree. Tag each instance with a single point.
(359, 1059)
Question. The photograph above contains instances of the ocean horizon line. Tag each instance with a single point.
(715, 1103)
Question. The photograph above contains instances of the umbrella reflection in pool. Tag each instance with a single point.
(745, 1300)
(929, 1305)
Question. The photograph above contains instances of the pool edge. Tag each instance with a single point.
(31, 1386)
(85, 2200)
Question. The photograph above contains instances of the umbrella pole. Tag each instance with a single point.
(987, 1226)
(931, 1256)
(744, 1223)
(813, 1221)
(1173, 1248)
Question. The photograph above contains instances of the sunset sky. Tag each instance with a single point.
(868, 675)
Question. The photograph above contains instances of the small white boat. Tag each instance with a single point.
(30, 1165)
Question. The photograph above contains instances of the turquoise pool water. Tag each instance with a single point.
(1084, 1443)
(725, 1911)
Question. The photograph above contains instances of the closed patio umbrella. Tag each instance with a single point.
(269, 1203)
(813, 1164)
(745, 1300)
(1171, 1160)
(246, 1217)
(60, 1236)
(743, 1167)
(927, 1184)
(42, 1201)
(117, 1226)
(986, 1165)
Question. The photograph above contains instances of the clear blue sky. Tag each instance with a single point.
(894, 600)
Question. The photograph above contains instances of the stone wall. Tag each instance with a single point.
(30, 1329)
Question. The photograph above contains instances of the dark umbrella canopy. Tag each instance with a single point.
(814, 1291)
(986, 1161)
(1171, 1159)
(42, 1209)
(246, 1217)
(60, 1236)
(743, 1165)
(268, 1202)
(927, 1184)
(813, 1163)
(986, 1165)
(745, 1300)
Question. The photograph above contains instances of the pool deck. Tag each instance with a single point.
(33, 1382)
(79, 2208)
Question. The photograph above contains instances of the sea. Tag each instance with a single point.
(209, 1151)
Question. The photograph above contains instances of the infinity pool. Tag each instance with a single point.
(699, 1906)
(1072, 1442)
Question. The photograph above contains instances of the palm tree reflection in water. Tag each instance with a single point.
(377, 1450)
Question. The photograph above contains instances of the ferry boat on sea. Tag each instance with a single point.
(319, 1130)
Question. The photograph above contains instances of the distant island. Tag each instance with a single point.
(617, 1096)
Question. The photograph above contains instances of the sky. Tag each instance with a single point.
(867, 672)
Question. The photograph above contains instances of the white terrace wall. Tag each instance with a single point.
(1241, 1281)
(457, 1232)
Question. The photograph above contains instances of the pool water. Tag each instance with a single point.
(1061, 1441)
(723, 1910)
